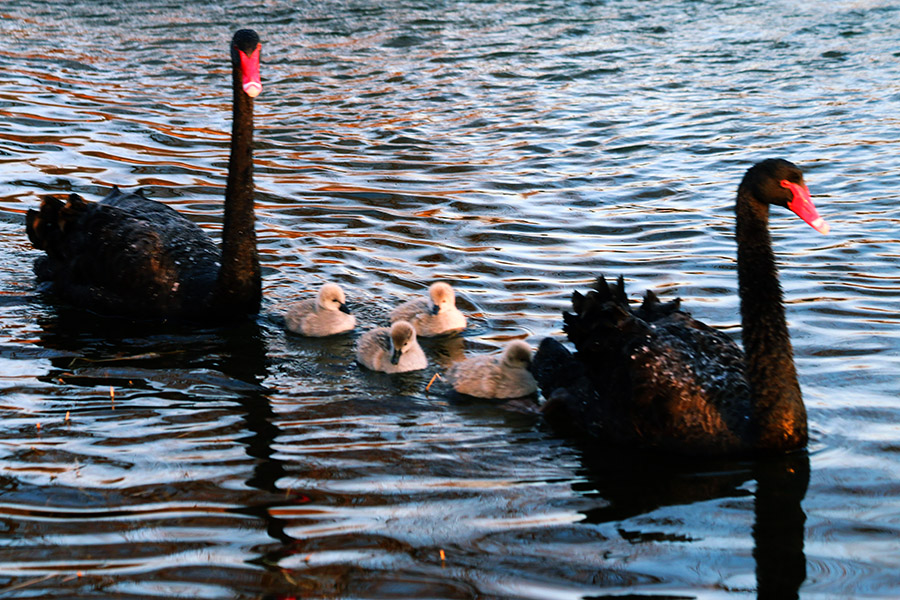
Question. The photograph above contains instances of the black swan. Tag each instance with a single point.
(654, 378)
(129, 256)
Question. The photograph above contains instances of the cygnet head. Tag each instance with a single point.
(331, 297)
(517, 355)
(403, 336)
(442, 297)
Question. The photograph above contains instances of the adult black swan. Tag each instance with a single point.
(130, 256)
(654, 378)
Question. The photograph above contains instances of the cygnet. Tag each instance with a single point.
(503, 375)
(391, 350)
(326, 314)
(432, 316)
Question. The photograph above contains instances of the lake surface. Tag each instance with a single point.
(516, 150)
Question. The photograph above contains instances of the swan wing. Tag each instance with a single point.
(111, 257)
(411, 311)
(651, 376)
(373, 349)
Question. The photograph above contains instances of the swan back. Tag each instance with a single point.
(649, 377)
(503, 375)
(125, 254)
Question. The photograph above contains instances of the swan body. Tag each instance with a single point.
(653, 377)
(324, 315)
(391, 349)
(131, 256)
(503, 375)
(434, 315)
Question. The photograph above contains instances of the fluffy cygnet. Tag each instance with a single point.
(503, 375)
(326, 314)
(391, 350)
(432, 316)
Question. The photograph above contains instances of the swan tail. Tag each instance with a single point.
(653, 309)
(603, 315)
(47, 226)
(598, 315)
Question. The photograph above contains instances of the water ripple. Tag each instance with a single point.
(515, 149)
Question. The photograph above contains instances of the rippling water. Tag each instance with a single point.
(516, 149)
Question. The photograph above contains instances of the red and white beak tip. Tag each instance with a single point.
(821, 225)
(252, 88)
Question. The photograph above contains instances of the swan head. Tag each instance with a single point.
(780, 182)
(517, 355)
(245, 52)
(331, 297)
(441, 297)
(403, 336)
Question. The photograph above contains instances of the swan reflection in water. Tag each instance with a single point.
(234, 362)
(634, 484)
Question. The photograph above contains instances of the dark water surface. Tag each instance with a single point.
(515, 149)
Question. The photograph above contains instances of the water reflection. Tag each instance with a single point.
(779, 530)
(638, 485)
(515, 150)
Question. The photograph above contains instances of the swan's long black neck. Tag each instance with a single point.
(778, 415)
(239, 280)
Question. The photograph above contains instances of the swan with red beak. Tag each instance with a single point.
(652, 377)
(128, 255)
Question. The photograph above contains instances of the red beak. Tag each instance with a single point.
(801, 204)
(250, 73)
